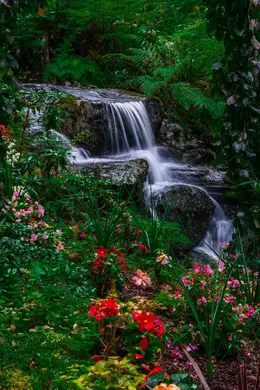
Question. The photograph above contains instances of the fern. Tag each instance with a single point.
(189, 96)
(68, 66)
(150, 85)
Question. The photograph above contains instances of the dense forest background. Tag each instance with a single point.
(155, 47)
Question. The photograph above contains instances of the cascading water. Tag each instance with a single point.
(131, 137)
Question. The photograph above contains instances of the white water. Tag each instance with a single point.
(131, 137)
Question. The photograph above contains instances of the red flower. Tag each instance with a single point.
(118, 230)
(149, 323)
(121, 260)
(98, 263)
(97, 358)
(159, 328)
(137, 356)
(144, 343)
(102, 252)
(116, 251)
(145, 320)
(75, 229)
(106, 308)
(3, 131)
(138, 232)
(110, 306)
(143, 247)
(83, 235)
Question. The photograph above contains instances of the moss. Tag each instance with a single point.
(81, 137)
(68, 103)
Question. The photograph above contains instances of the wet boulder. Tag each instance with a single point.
(190, 206)
(127, 173)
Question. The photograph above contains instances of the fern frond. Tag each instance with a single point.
(189, 96)
(150, 85)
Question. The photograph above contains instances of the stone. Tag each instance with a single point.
(85, 125)
(156, 113)
(199, 156)
(130, 173)
(190, 206)
(174, 136)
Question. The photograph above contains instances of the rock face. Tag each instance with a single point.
(199, 156)
(130, 173)
(190, 206)
(156, 113)
(87, 120)
(85, 124)
(192, 149)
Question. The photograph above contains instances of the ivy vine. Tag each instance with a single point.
(236, 23)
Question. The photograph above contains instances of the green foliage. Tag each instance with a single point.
(14, 380)
(193, 97)
(113, 373)
(159, 233)
(182, 380)
(237, 78)
(70, 67)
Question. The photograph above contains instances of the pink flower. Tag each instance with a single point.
(18, 220)
(175, 352)
(60, 247)
(207, 270)
(191, 347)
(230, 338)
(15, 195)
(224, 245)
(234, 283)
(29, 210)
(229, 299)
(203, 282)
(256, 274)
(163, 259)
(188, 363)
(59, 232)
(250, 312)
(234, 255)
(141, 279)
(197, 268)
(143, 247)
(177, 294)
(185, 281)
(191, 326)
(118, 230)
(23, 212)
(40, 211)
(33, 237)
(203, 300)
(221, 266)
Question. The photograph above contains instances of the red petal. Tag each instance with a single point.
(144, 343)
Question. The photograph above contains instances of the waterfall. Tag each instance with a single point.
(131, 136)
(219, 232)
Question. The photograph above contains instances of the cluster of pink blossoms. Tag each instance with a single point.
(32, 213)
